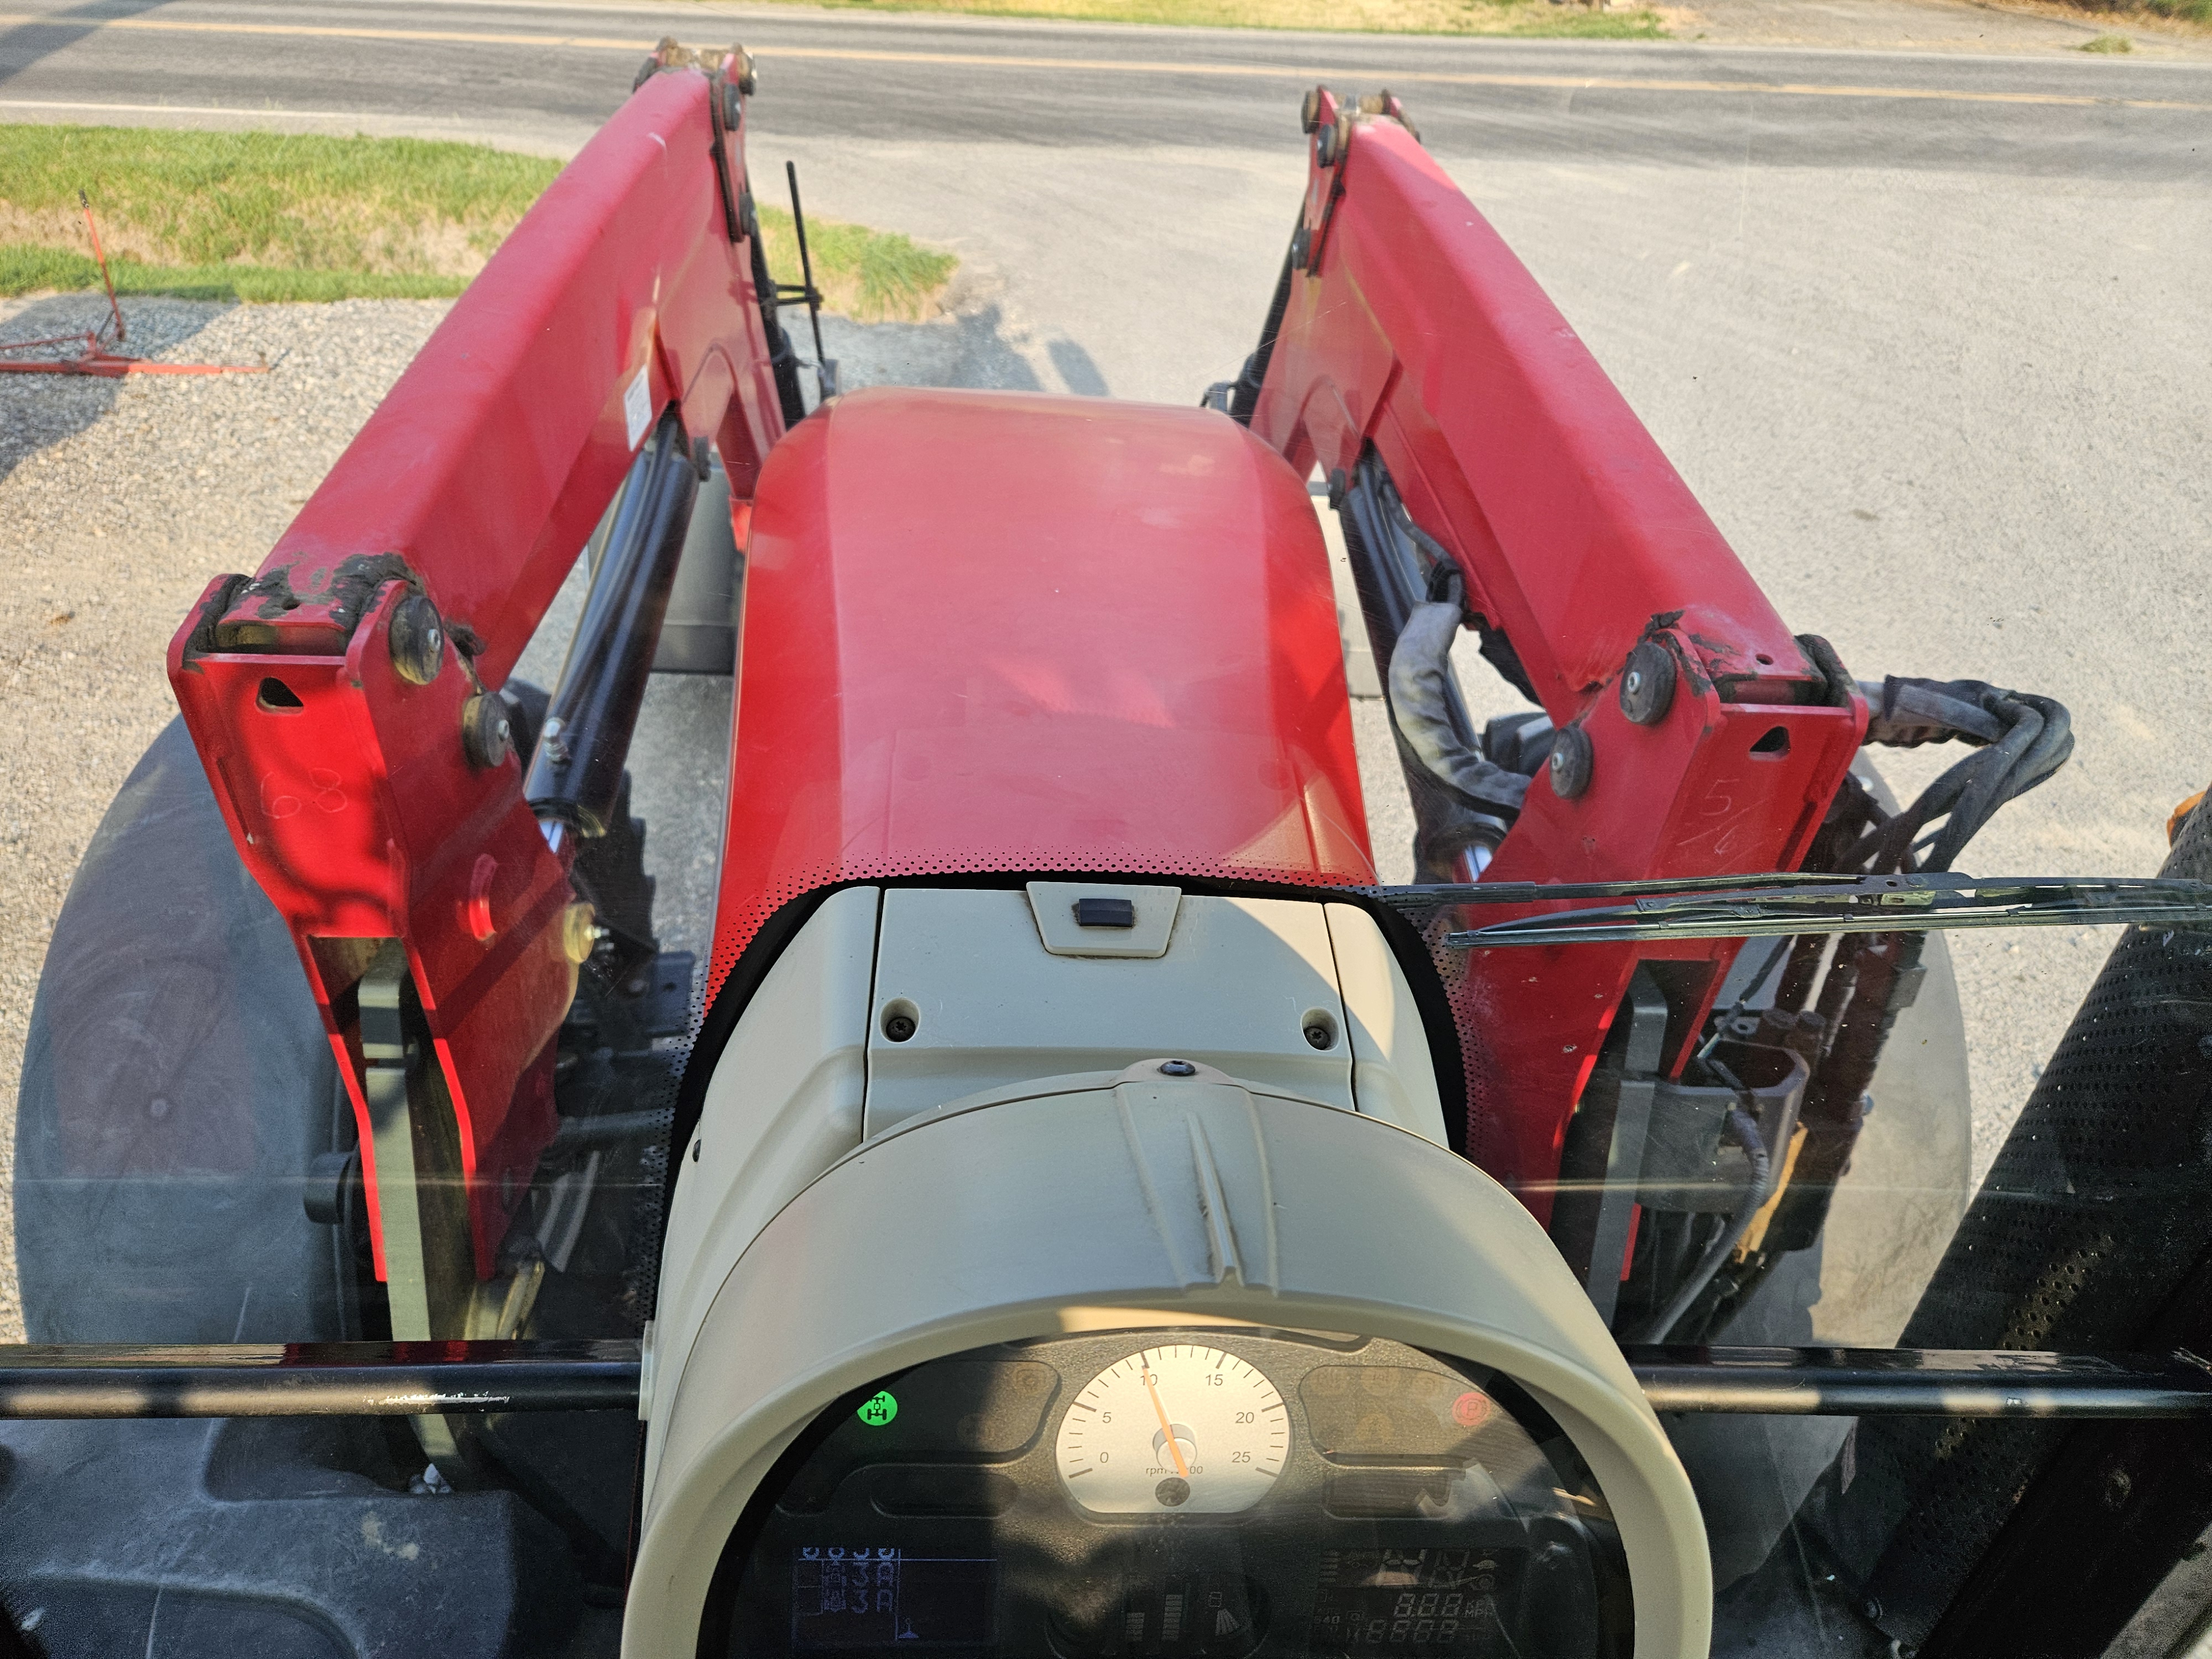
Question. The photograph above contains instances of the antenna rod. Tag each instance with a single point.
(806, 271)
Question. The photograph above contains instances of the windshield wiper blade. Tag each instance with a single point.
(1423, 899)
(1760, 906)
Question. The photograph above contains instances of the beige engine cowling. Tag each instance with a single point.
(1177, 1201)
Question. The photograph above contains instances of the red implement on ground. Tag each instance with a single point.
(95, 359)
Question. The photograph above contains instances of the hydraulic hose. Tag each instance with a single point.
(2026, 738)
(1421, 682)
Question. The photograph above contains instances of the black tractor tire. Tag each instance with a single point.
(177, 1091)
(180, 1100)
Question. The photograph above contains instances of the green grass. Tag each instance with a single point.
(2197, 12)
(27, 268)
(1518, 17)
(2108, 43)
(284, 201)
(875, 276)
(270, 216)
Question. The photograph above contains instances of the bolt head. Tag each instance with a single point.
(418, 640)
(1573, 761)
(1319, 1035)
(580, 933)
(1647, 683)
(487, 733)
(1178, 1068)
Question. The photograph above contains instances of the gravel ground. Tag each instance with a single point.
(119, 500)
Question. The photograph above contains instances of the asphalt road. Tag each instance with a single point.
(1925, 333)
(550, 74)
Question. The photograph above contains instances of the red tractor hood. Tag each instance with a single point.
(1003, 632)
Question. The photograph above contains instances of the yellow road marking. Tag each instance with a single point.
(1112, 66)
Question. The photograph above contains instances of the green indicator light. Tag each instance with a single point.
(879, 1409)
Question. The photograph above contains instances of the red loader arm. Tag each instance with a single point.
(1407, 338)
(344, 700)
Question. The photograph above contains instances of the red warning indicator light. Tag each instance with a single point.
(1471, 1410)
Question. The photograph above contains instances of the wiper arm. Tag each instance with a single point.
(1739, 907)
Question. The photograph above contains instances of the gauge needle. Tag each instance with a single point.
(1167, 1428)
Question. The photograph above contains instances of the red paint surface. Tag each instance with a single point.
(991, 631)
(485, 469)
(1422, 336)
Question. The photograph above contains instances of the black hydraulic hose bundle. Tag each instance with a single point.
(2022, 739)
(1412, 605)
(1424, 705)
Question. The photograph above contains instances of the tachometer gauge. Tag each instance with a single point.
(1175, 1428)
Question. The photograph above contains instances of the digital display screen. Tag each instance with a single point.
(1412, 1600)
(843, 1599)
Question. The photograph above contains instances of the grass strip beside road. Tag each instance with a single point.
(1571, 19)
(270, 216)
(28, 268)
(2183, 11)
(870, 276)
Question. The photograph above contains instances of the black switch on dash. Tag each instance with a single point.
(1105, 913)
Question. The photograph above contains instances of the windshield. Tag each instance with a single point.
(1121, 570)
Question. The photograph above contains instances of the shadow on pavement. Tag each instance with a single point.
(26, 43)
(977, 348)
(39, 410)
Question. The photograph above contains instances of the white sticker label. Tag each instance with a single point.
(637, 406)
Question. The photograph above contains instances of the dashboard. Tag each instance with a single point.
(1218, 1492)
